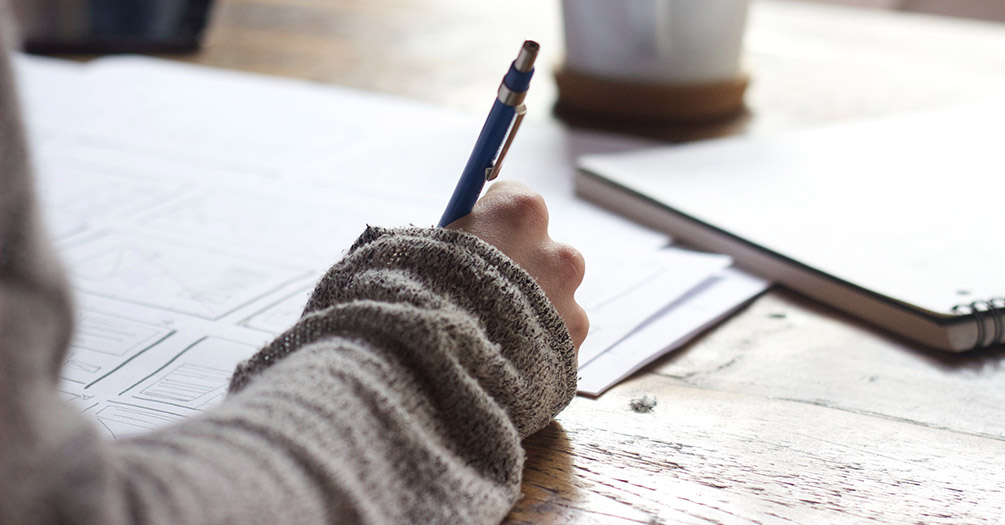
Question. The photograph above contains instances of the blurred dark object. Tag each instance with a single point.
(111, 26)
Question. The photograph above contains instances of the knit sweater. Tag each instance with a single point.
(422, 359)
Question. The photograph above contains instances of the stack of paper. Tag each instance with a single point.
(195, 209)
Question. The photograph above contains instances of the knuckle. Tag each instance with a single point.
(527, 208)
(578, 324)
(570, 263)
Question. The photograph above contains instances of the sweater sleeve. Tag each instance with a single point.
(401, 395)
(422, 359)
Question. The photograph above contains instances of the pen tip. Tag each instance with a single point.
(525, 60)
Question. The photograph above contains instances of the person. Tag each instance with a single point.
(422, 360)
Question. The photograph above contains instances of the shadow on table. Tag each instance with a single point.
(548, 478)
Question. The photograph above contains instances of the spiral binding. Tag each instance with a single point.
(993, 308)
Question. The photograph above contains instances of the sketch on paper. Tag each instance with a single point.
(279, 316)
(141, 270)
(103, 343)
(122, 420)
(195, 378)
(75, 197)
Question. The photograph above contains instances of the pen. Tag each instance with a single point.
(503, 120)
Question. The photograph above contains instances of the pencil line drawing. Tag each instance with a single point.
(186, 279)
(121, 420)
(187, 383)
(103, 343)
(280, 315)
(195, 378)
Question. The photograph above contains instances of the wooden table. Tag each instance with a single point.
(788, 412)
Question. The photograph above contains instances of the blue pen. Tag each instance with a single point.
(504, 119)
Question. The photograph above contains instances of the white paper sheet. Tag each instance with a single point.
(680, 322)
(627, 291)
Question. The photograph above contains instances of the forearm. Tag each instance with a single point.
(401, 396)
(369, 450)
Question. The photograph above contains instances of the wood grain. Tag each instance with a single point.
(706, 455)
(788, 412)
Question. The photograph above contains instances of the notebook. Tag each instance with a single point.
(897, 221)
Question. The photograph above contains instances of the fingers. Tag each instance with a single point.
(576, 321)
(562, 267)
(567, 269)
(514, 219)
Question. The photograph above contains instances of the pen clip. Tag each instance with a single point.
(493, 171)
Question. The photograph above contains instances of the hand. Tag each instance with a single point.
(514, 219)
